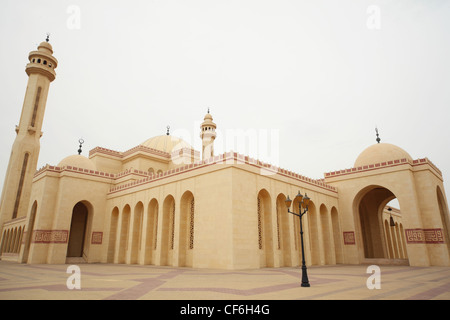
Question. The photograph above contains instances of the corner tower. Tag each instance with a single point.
(25, 150)
(208, 135)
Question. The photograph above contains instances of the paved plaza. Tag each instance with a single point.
(134, 282)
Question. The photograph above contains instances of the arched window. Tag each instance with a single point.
(36, 105)
(265, 237)
(191, 224)
(186, 233)
(21, 181)
(168, 224)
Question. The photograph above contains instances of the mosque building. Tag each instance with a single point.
(163, 203)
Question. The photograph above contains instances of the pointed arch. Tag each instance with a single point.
(12, 248)
(114, 221)
(187, 228)
(123, 233)
(8, 240)
(151, 233)
(380, 240)
(168, 230)
(336, 230)
(283, 235)
(265, 236)
(313, 226)
(138, 215)
(327, 239)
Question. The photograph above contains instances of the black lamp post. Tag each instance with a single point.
(302, 202)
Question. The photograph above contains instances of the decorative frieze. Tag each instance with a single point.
(380, 165)
(428, 236)
(50, 236)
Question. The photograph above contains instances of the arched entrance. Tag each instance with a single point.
(381, 235)
(77, 235)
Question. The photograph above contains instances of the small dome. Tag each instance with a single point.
(78, 161)
(166, 143)
(381, 152)
(46, 47)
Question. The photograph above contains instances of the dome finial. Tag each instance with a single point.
(168, 130)
(48, 37)
(81, 141)
(378, 136)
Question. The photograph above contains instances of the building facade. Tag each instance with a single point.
(164, 203)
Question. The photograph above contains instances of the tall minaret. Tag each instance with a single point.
(208, 135)
(25, 150)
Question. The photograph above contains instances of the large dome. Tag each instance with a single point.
(166, 143)
(77, 161)
(381, 152)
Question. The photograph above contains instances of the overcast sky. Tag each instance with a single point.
(311, 79)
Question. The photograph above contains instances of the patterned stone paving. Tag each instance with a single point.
(133, 282)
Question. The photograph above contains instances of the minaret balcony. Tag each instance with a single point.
(41, 69)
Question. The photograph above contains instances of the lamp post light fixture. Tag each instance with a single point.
(391, 220)
(303, 202)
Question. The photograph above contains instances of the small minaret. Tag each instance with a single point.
(208, 135)
(25, 150)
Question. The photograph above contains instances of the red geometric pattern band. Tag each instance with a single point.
(61, 236)
(50, 236)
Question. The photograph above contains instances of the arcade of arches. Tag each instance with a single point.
(165, 234)
(164, 203)
(249, 228)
